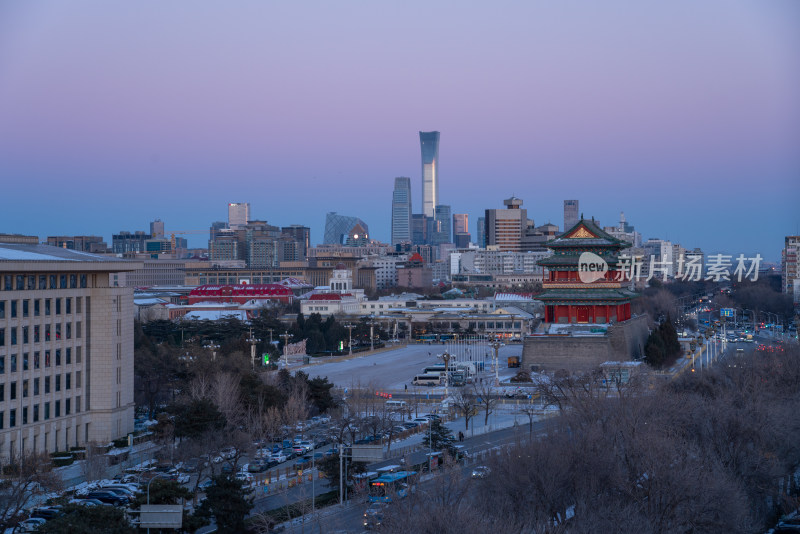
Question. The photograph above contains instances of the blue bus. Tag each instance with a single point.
(388, 485)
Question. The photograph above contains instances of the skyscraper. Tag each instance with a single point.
(401, 210)
(460, 223)
(238, 214)
(442, 233)
(429, 144)
(338, 228)
(570, 214)
(481, 233)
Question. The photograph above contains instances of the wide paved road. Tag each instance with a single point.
(393, 369)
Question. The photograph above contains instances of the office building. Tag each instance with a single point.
(129, 242)
(66, 349)
(481, 232)
(339, 227)
(441, 233)
(301, 234)
(505, 228)
(429, 145)
(157, 229)
(570, 214)
(790, 274)
(401, 210)
(238, 214)
(82, 243)
(460, 223)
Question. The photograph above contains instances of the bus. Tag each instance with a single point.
(395, 404)
(433, 369)
(427, 380)
(391, 485)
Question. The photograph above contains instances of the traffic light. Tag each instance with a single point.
(266, 358)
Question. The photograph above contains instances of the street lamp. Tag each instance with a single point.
(495, 344)
(285, 337)
(213, 348)
(253, 341)
(446, 357)
(350, 337)
(371, 324)
(158, 475)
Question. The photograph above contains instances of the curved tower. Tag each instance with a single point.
(429, 144)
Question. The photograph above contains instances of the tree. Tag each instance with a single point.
(464, 404)
(228, 502)
(329, 466)
(662, 346)
(197, 417)
(24, 482)
(438, 437)
(78, 519)
(486, 397)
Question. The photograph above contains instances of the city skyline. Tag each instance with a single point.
(692, 132)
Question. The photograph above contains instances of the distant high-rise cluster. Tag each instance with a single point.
(790, 272)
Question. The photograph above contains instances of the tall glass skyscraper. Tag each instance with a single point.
(401, 210)
(429, 144)
(443, 218)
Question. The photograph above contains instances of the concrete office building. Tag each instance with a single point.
(238, 214)
(157, 228)
(401, 210)
(570, 214)
(66, 349)
(505, 228)
(429, 145)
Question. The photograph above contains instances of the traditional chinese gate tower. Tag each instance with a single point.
(584, 284)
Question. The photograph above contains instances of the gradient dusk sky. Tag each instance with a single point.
(683, 114)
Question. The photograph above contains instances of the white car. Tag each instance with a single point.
(29, 525)
(228, 453)
(278, 457)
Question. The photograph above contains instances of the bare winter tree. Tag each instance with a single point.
(24, 482)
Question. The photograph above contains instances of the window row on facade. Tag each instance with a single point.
(23, 335)
(34, 387)
(31, 282)
(13, 309)
(39, 412)
(46, 359)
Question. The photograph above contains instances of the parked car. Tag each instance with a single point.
(302, 463)
(228, 453)
(258, 466)
(47, 512)
(29, 525)
(421, 420)
(108, 496)
(279, 457)
(204, 485)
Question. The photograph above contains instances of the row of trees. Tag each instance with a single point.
(716, 452)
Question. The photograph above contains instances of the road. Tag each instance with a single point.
(349, 517)
(394, 369)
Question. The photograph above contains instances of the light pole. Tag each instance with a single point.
(253, 340)
(371, 335)
(350, 337)
(495, 344)
(213, 348)
(446, 358)
(285, 337)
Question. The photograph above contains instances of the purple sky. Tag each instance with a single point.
(684, 114)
